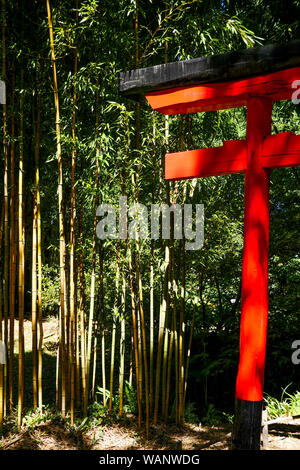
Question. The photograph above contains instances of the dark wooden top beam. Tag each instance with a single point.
(214, 68)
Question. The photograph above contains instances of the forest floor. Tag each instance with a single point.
(51, 433)
(125, 436)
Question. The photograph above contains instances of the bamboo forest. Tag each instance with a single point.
(132, 342)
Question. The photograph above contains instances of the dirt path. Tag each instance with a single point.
(125, 436)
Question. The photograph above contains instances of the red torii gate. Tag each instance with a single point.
(256, 156)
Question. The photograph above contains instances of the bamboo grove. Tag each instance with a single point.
(126, 310)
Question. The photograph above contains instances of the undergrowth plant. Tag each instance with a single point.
(288, 405)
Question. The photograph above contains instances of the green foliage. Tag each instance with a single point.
(50, 292)
(35, 417)
(214, 417)
(287, 405)
(131, 400)
(190, 414)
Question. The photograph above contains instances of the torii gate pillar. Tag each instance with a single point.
(253, 78)
(254, 316)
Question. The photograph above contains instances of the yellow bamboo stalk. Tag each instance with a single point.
(102, 332)
(39, 254)
(181, 341)
(130, 378)
(166, 329)
(141, 311)
(21, 264)
(135, 338)
(1, 319)
(73, 241)
(152, 279)
(176, 365)
(113, 336)
(162, 345)
(175, 291)
(93, 274)
(122, 346)
(170, 351)
(77, 339)
(188, 357)
(6, 202)
(165, 351)
(12, 246)
(82, 322)
(169, 368)
(34, 304)
(162, 319)
(61, 220)
(140, 353)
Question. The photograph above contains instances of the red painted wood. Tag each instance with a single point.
(254, 316)
(280, 150)
(231, 94)
(230, 158)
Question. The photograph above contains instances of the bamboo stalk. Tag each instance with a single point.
(39, 253)
(175, 290)
(82, 321)
(135, 339)
(169, 366)
(61, 219)
(1, 319)
(102, 332)
(76, 339)
(134, 313)
(12, 247)
(165, 349)
(113, 337)
(122, 346)
(164, 306)
(6, 202)
(181, 340)
(140, 353)
(72, 240)
(94, 254)
(21, 263)
(67, 319)
(166, 330)
(141, 310)
(162, 318)
(34, 304)
(152, 279)
(172, 332)
(130, 379)
(189, 351)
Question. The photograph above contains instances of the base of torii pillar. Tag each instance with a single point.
(247, 425)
